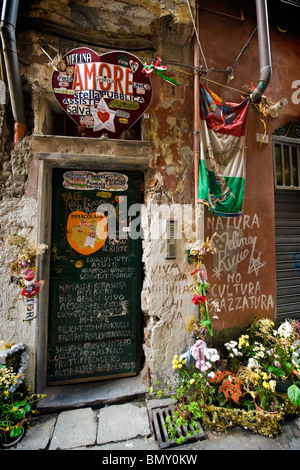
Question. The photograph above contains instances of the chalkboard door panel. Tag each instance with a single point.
(95, 279)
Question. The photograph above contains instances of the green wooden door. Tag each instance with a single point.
(95, 280)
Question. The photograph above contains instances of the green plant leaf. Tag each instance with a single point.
(16, 431)
(27, 408)
(276, 371)
(294, 394)
(289, 366)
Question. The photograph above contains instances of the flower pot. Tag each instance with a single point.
(6, 441)
(261, 410)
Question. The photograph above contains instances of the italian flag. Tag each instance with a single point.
(222, 147)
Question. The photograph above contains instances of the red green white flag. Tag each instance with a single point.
(222, 153)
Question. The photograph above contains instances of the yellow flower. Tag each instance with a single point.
(255, 376)
(266, 384)
(264, 375)
(192, 381)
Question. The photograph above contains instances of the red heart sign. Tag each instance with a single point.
(105, 94)
(103, 115)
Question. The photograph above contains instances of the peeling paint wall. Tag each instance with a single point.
(167, 27)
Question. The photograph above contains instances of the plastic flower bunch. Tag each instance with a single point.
(233, 349)
(285, 330)
(8, 379)
(267, 383)
(228, 385)
(253, 365)
(178, 362)
(195, 255)
(263, 329)
(211, 356)
(266, 391)
(259, 357)
(259, 351)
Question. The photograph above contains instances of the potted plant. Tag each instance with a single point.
(275, 353)
(14, 407)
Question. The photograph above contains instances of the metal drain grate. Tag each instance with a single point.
(159, 416)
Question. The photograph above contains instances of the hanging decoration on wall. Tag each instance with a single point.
(23, 271)
(202, 322)
(222, 144)
(102, 94)
(155, 67)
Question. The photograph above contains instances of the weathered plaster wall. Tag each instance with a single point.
(18, 216)
(168, 178)
(242, 273)
(166, 295)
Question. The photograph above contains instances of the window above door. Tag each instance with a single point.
(286, 155)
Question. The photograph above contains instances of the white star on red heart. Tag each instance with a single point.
(103, 117)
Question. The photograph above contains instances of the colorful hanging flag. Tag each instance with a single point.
(222, 147)
(155, 66)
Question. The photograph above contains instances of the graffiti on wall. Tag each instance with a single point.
(170, 290)
(236, 270)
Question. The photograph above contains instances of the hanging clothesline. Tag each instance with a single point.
(216, 83)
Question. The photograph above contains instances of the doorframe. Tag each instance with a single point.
(48, 161)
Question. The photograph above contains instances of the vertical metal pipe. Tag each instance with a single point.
(196, 107)
(264, 50)
(9, 47)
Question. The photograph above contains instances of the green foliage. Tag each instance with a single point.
(294, 394)
(14, 406)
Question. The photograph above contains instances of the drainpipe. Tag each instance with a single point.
(196, 108)
(264, 50)
(9, 47)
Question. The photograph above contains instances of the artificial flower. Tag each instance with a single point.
(197, 299)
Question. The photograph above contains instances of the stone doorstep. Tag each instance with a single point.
(85, 427)
(95, 394)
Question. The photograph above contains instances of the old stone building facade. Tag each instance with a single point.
(124, 311)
